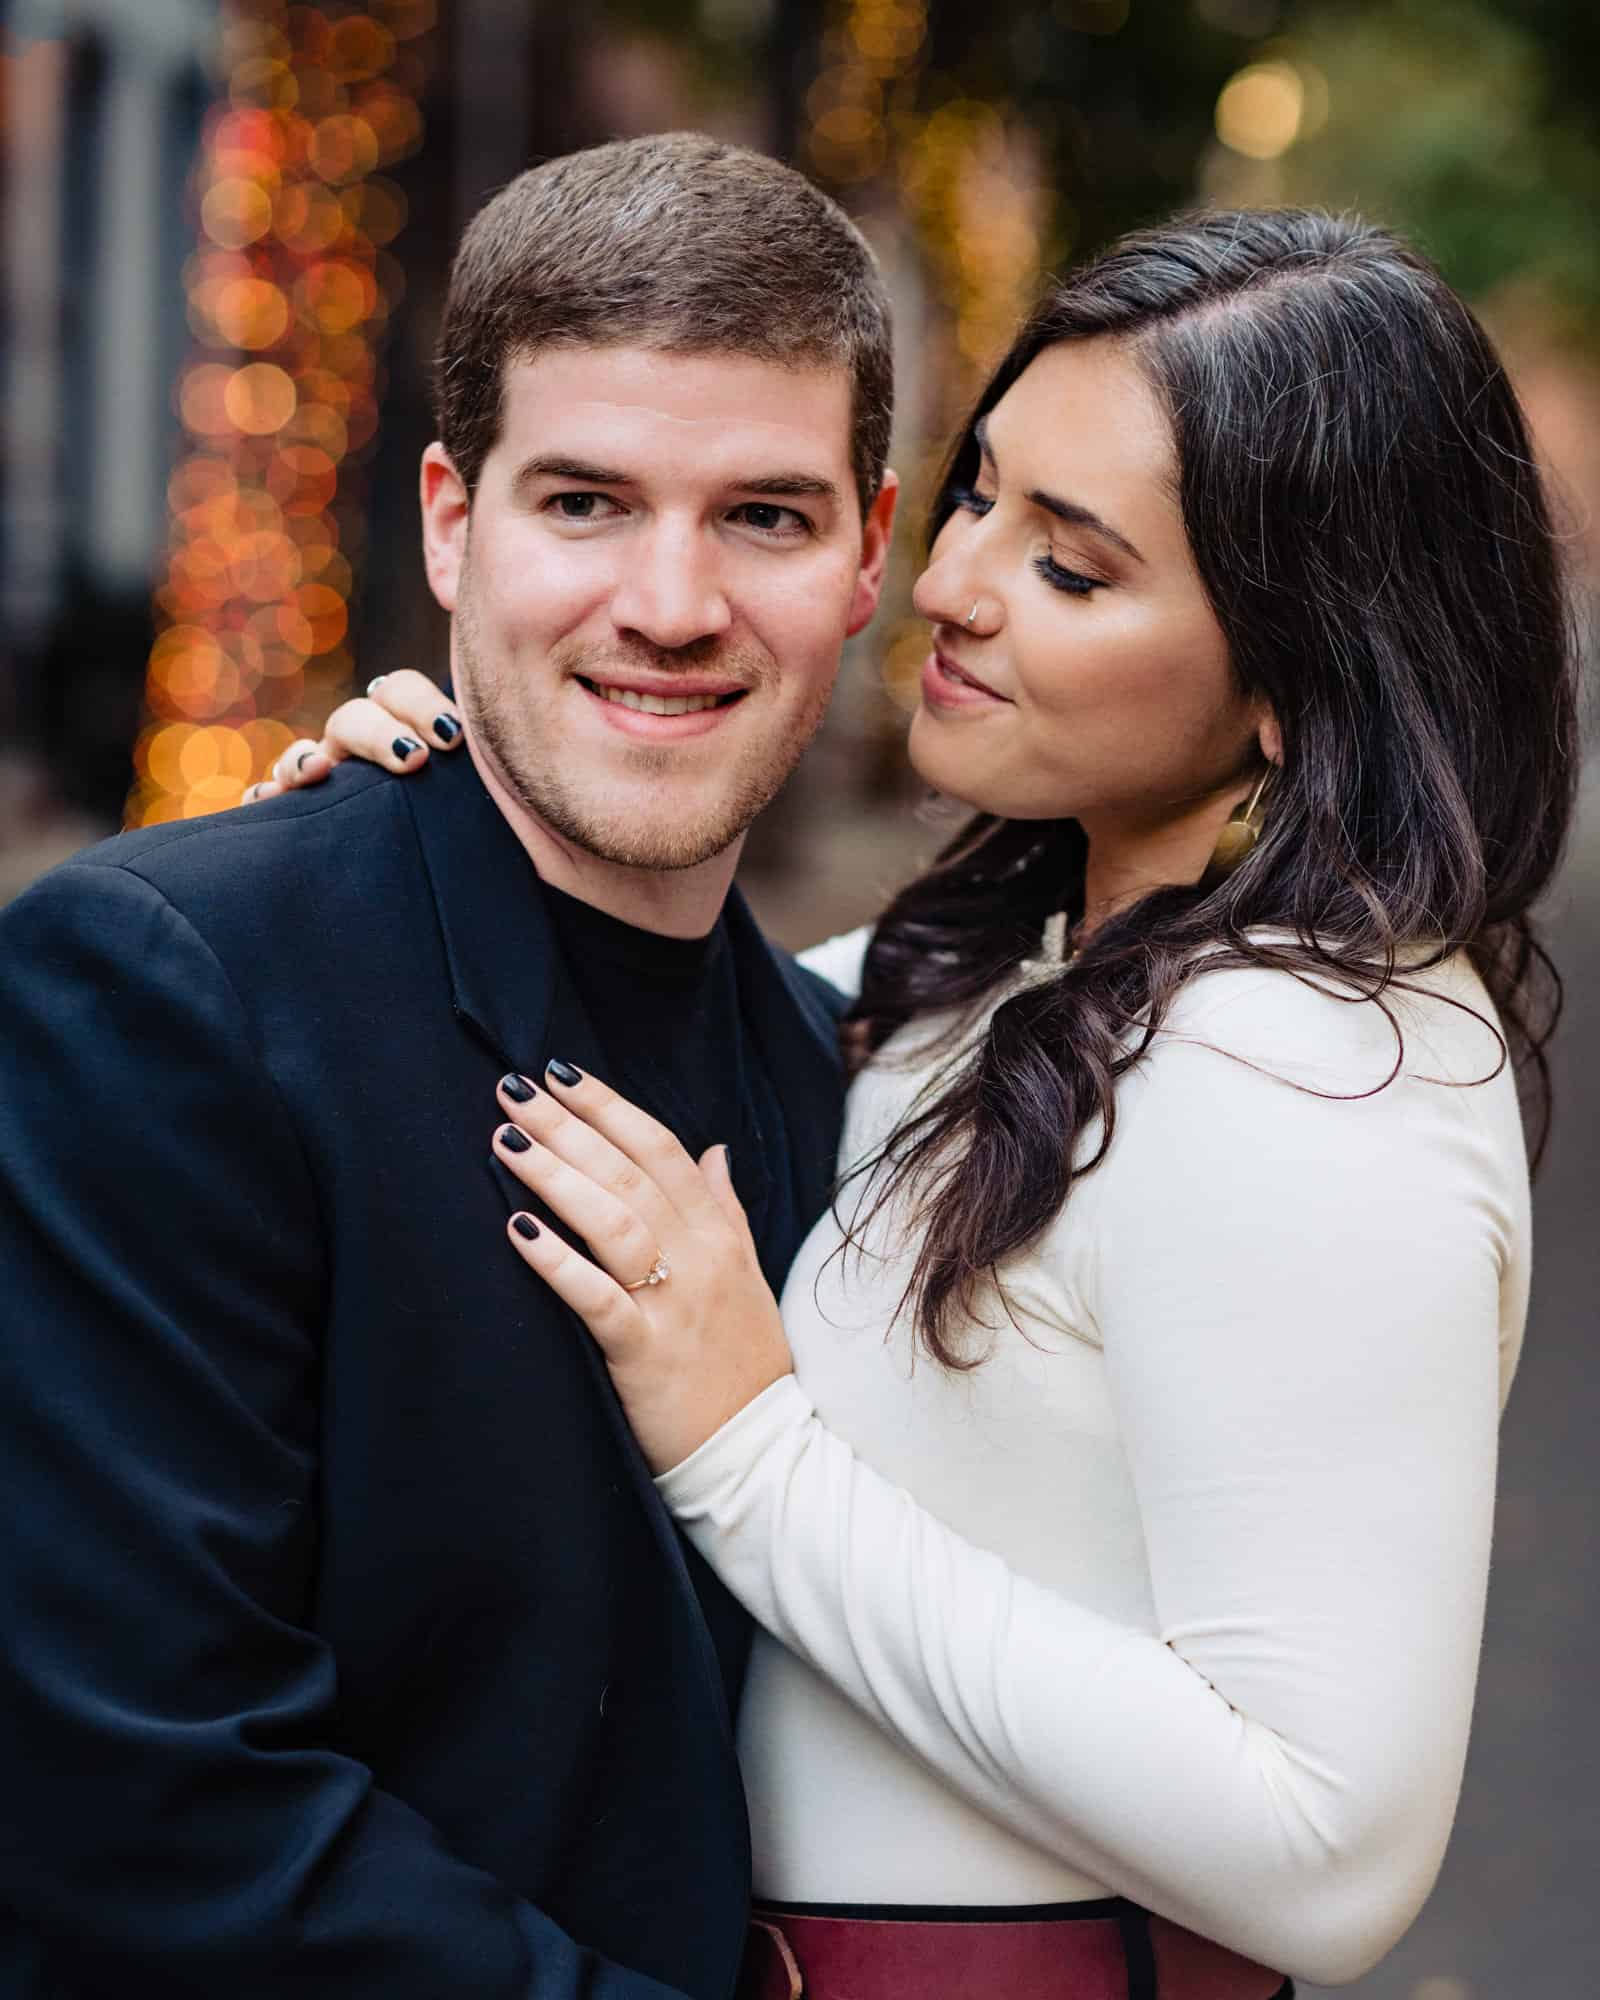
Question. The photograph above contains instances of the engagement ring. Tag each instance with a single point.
(658, 1274)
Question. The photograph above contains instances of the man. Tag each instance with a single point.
(347, 1650)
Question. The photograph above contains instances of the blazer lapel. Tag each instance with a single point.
(798, 1035)
(508, 986)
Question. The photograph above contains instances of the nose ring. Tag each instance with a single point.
(972, 613)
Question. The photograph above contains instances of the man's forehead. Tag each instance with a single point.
(713, 408)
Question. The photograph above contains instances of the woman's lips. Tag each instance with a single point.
(946, 685)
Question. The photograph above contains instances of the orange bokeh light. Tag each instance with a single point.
(260, 398)
(309, 219)
(336, 295)
(250, 313)
(343, 148)
(201, 399)
(236, 211)
(358, 48)
(290, 286)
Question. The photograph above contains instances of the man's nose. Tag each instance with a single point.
(672, 590)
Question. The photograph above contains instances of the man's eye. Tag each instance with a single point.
(770, 519)
(580, 506)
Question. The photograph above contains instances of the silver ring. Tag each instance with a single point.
(658, 1274)
(377, 681)
(965, 621)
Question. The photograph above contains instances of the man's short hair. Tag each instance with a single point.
(676, 242)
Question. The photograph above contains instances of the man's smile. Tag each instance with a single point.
(664, 710)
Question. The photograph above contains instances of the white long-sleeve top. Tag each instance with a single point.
(1179, 1594)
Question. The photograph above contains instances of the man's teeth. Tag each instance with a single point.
(659, 704)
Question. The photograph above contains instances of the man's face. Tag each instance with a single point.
(661, 562)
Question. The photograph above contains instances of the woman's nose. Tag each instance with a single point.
(951, 592)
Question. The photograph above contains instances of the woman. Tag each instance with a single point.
(1122, 1529)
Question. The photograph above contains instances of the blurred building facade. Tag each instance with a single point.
(103, 105)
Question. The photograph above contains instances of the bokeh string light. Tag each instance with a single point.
(289, 294)
(967, 174)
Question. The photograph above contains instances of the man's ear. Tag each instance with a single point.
(446, 512)
(876, 530)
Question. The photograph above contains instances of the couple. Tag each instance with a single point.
(1116, 1545)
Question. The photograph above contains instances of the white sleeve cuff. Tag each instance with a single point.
(690, 1488)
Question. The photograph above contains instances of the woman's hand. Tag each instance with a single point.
(393, 724)
(686, 1353)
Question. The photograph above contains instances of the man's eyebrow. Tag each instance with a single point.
(1071, 511)
(574, 469)
(779, 485)
(794, 485)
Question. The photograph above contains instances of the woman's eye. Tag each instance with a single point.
(769, 519)
(970, 500)
(581, 506)
(1072, 581)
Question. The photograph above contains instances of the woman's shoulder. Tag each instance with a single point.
(1432, 1022)
(839, 959)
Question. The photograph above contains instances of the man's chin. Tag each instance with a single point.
(651, 834)
(655, 851)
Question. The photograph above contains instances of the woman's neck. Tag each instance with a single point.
(1125, 862)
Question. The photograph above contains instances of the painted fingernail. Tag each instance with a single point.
(518, 1089)
(727, 1158)
(300, 761)
(446, 728)
(404, 747)
(525, 1226)
(563, 1072)
(376, 682)
(513, 1140)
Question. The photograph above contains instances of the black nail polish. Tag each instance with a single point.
(525, 1226)
(518, 1089)
(300, 761)
(727, 1154)
(446, 728)
(563, 1072)
(513, 1140)
(404, 747)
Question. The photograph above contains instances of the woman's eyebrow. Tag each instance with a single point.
(1071, 511)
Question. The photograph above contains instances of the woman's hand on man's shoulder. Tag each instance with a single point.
(400, 718)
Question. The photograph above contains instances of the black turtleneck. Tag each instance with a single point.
(667, 1013)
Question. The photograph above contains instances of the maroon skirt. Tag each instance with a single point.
(1105, 1950)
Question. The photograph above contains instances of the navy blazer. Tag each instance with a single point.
(347, 1648)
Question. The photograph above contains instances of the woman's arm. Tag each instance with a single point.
(1300, 1307)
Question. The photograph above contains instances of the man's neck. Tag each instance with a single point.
(677, 902)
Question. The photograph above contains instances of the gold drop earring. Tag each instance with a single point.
(1238, 838)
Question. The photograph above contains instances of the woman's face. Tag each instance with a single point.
(1092, 680)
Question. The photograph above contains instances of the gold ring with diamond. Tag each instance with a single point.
(658, 1274)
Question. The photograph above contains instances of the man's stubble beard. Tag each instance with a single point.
(529, 768)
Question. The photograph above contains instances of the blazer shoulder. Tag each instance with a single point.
(235, 865)
(817, 994)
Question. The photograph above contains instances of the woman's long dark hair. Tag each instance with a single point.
(1365, 512)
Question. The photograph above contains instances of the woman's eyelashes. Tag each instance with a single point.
(1074, 582)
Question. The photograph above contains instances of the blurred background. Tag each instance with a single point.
(226, 230)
